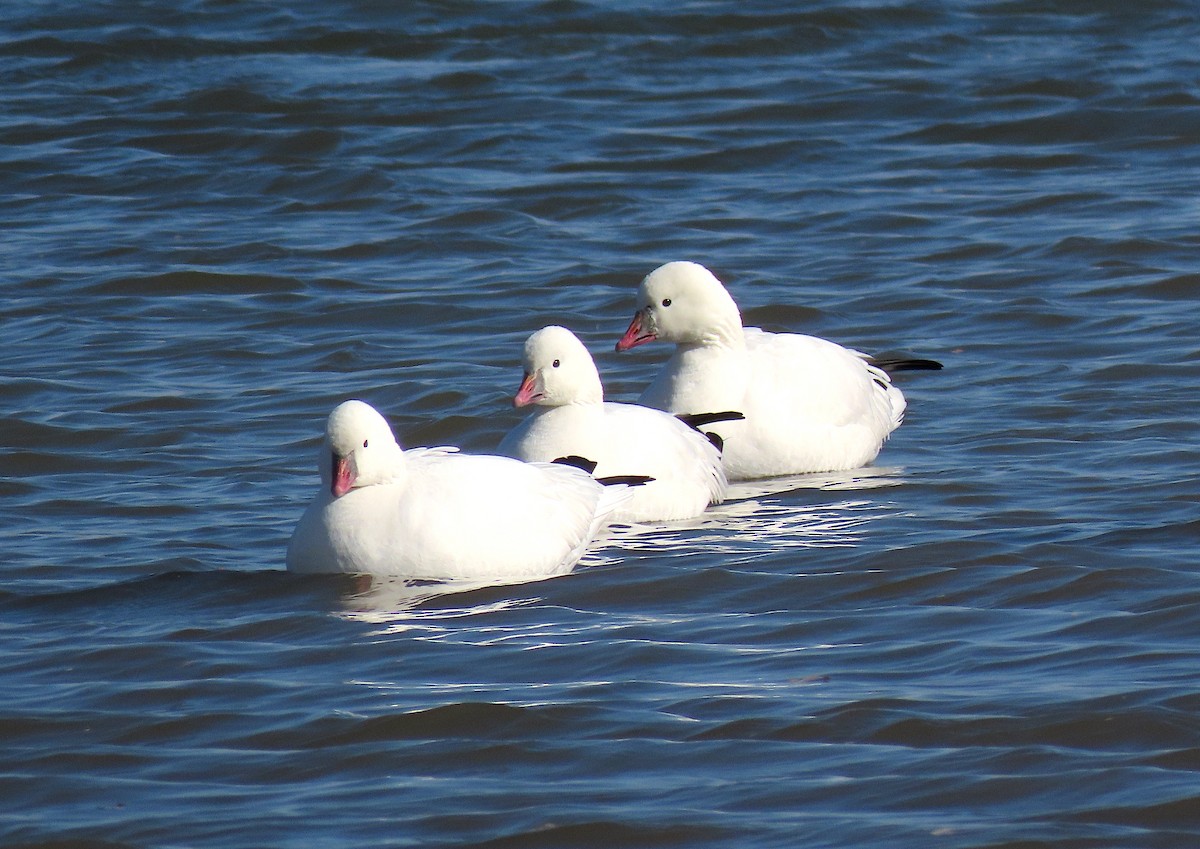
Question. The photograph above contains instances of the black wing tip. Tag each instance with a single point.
(699, 420)
(576, 461)
(625, 480)
(589, 466)
(893, 364)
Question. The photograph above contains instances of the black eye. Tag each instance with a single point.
(365, 441)
(555, 363)
(666, 302)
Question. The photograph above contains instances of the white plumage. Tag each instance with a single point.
(571, 417)
(810, 405)
(432, 513)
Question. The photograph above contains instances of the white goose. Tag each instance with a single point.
(810, 405)
(432, 513)
(573, 419)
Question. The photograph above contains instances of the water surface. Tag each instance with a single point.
(221, 219)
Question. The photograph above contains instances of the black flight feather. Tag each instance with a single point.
(699, 420)
(627, 480)
(589, 466)
(893, 364)
(578, 462)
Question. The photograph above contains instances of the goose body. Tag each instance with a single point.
(810, 405)
(437, 514)
(571, 418)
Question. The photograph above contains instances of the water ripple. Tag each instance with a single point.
(222, 219)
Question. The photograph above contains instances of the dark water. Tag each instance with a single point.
(220, 218)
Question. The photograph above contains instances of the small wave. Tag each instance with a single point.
(195, 282)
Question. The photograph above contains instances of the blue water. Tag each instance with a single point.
(220, 219)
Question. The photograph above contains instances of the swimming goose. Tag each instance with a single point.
(571, 417)
(810, 405)
(436, 514)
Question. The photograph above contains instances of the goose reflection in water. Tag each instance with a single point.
(753, 525)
